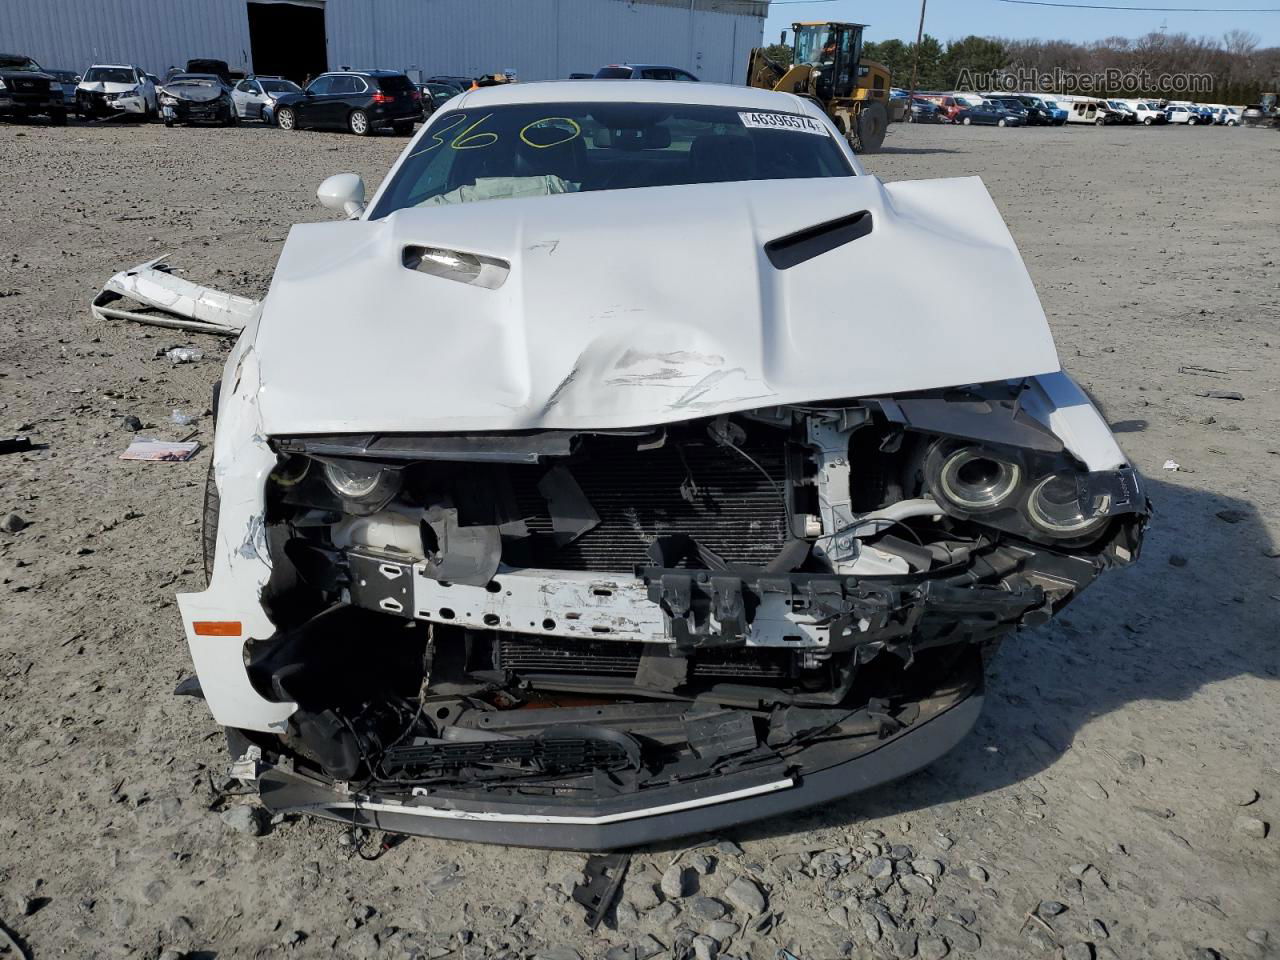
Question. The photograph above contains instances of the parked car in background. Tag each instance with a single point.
(67, 80)
(112, 89)
(925, 111)
(1126, 112)
(989, 113)
(969, 99)
(1011, 105)
(196, 98)
(1228, 117)
(948, 105)
(255, 97)
(1056, 110)
(458, 83)
(219, 68)
(358, 101)
(642, 71)
(1147, 113)
(27, 91)
(1182, 113)
(1093, 111)
(435, 95)
(1038, 112)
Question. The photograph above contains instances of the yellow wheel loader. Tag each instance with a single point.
(827, 67)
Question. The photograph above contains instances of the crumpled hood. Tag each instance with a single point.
(196, 93)
(106, 86)
(634, 307)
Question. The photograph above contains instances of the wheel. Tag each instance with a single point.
(1148, 121)
(358, 123)
(1000, 122)
(168, 122)
(286, 119)
(404, 129)
(873, 123)
(1191, 121)
(967, 121)
(209, 523)
(1099, 122)
(58, 118)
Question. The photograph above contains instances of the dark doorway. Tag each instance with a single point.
(287, 39)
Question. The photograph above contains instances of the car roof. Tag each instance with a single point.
(647, 66)
(111, 66)
(363, 73)
(641, 91)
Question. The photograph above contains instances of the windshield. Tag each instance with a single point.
(109, 75)
(25, 64)
(542, 149)
(279, 86)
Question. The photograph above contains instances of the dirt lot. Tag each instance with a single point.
(1127, 766)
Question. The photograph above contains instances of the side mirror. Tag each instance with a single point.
(343, 192)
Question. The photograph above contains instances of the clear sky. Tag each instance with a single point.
(953, 19)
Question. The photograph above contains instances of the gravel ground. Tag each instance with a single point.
(1118, 799)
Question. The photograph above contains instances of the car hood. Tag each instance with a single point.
(193, 92)
(106, 86)
(634, 307)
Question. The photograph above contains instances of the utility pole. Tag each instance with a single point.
(915, 60)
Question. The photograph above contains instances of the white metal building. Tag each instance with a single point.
(540, 39)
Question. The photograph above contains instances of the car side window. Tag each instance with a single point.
(682, 75)
(321, 85)
(244, 86)
(655, 74)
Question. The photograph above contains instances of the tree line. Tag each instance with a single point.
(1240, 69)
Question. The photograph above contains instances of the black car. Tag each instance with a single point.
(68, 80)
(458, 83)
(926, 111)
(434, 95)
(360, 101)
(196, 97)
(26, 91)
(1038, 114)
(990, 113)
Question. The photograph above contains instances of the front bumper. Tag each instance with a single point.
(818, 775)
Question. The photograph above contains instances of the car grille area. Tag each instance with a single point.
(519, 654)
(726, 500)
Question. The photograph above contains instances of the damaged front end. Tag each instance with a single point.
(592, 639)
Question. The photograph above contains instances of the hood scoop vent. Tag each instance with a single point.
(472, 268)
(796, 248)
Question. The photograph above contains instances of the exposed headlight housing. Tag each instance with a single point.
(168, 99)
(1063, 504)
(364, 486)
(976, 480)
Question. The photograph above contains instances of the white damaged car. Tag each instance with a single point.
(107, 90)
(607, 477)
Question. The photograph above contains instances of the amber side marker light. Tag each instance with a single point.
(217, 628)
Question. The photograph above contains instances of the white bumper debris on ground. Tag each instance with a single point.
(171, 301)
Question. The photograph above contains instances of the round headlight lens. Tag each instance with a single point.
(974, 480)
(1062, 505)
(356, 480)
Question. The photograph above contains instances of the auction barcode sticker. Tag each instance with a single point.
(782, 121)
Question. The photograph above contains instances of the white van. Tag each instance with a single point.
(1091, 111)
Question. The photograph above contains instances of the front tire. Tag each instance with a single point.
(967, 121)
(1000, 123)
(1148, 121)
(873, 123)
(358, 123)
(286, 119)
